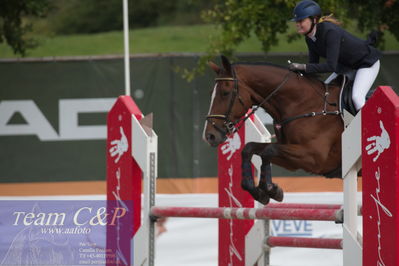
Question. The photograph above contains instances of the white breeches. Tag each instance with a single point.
(364, 79)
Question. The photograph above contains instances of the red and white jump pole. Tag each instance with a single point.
(128, 163)
(380, 160)
(248, 213)
(131, 171)
(240, 241)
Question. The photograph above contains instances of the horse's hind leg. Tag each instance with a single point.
(259, 193)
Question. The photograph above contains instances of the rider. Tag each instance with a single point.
(341, 49)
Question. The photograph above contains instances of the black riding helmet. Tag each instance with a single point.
(305, 9)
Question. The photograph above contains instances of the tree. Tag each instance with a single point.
(376, 14)
(13, 26)
(93, 16)
(238, 19)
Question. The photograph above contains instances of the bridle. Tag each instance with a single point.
(230, 126)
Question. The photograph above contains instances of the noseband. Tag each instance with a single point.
(230, 126)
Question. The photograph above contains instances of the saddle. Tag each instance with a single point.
(346, 106)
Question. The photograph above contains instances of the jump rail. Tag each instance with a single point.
(249, 213)
(304, 206)
(302, 242)
(131, 164)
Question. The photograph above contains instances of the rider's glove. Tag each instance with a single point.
(297, 67)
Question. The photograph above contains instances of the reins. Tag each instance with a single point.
(246, 116)
(232, 127)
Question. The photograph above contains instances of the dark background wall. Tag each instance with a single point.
(179, 109)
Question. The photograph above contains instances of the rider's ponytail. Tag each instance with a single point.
(329, 18)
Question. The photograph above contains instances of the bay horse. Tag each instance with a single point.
(306, 118)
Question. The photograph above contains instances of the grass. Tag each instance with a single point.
(168, 39)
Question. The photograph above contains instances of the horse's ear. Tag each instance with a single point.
(226, 64)
(215, 67)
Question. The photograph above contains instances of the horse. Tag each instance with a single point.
(306, 121)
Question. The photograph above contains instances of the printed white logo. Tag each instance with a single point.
(379, 143)
(119, 146)
(231, 145)
(379, 206)
(233, 251)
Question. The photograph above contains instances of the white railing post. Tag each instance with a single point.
(144, 151)
(351, 164)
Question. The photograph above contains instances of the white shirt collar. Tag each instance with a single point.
(312, 35)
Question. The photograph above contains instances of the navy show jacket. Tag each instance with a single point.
(341, 49)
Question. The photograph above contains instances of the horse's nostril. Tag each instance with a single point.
(210, 137)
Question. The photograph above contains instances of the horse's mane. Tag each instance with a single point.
(311, 76)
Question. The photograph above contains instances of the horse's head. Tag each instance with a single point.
(230, 101)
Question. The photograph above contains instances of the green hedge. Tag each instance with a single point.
(92, 16)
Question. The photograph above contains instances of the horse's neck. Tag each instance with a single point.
(264, 81)
(292, 93)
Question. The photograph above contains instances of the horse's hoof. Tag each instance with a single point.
(265, 200)
(262, 196)
(276, 193)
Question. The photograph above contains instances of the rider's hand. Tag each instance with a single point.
(297, 67)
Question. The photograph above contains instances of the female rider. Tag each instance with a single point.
(341, 50)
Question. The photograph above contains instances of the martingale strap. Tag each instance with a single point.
(312, 114)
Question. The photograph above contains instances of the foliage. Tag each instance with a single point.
(185, 12)
(93, 16)
(167, 39)
(13, 27)
(376, 14)
(88, 16)
(238, 19)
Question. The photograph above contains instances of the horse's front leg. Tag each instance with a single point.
(247, 182)
(266, 189)
(265, 181)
